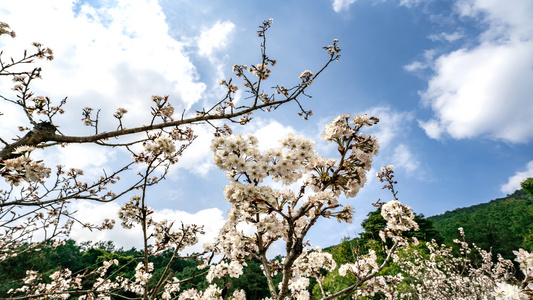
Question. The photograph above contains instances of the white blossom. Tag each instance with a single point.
(161, 145)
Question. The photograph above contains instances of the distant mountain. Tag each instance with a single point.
(503, 224)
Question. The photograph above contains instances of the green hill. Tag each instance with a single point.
(503, 224)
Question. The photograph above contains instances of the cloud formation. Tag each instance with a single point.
(448, 37)
(424, 63)
(340, 5)
(107, 56)
(514, 181)
(388, 129)
(486, 90)
(404, 159)
(214, 38)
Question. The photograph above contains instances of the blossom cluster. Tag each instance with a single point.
(130, 213)
(212, 292)
(506, 291)
(342, 127)
(298, 286)
(306, 77)
(525, 259)
(312, 263)
(233, 269)
(161, 145)
(365, 270)
(261, 71)
(381, 285)
(233, 243)
(399, 216)
(160, 149)
(446, 275)
(163, 108)
(61, 282)
(333, 49)
(4, 29)
(361, 268)
(357, 151)
(239, 156)
(23, 168)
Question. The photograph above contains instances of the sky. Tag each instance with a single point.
(449, 80)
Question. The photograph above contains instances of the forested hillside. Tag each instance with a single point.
(503, 224)
(87, 257)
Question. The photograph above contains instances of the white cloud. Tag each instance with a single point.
(90, 158)
(116, 55)
(209, 42)
(410, 3)
(449, 37)
(403, 158)
(425, 62)
(432, 128)
(269, 132)
(340, 5)
(11, 115)
(415, 66)
(198, 158)
(214, 38)
(486, 90)
(391, 124)
(513, 183)
(506, 20)
(212, 219)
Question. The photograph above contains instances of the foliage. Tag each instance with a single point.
(87, 256)
(527, 185)
(502, 225)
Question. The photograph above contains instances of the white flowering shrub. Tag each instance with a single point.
(465, 272)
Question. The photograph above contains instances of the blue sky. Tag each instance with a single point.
(449, 80)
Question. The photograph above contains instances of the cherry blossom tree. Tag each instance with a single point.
(275, 214)
(36, 198)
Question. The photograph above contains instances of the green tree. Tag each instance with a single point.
(527, 185)
(374, 223)
(251, 281)
(45, 261)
